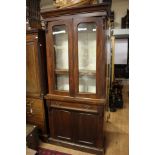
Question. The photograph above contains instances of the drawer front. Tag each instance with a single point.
(35, 112)
(76, 106)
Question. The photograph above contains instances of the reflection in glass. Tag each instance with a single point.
(87, 46)
(62, 82)
(60, 37)
(87, 84)
(87, 57)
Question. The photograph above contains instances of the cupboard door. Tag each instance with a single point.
(88, 45)
(61, 124)
(32, 75)
(86, 128)
(60, 59)
(35, 113)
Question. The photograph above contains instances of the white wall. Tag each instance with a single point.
(120, 9)
(121, 51)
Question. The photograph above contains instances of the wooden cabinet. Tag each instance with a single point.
(62, 124)
(36, 75)
(72, 125)
(32, 80)
(77, 122)
(35, 113)
(76, 64)
(33, 14)
(32, 139)
(86, 133)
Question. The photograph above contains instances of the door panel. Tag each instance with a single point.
(32, 83)
(86, 130)
(74, 126)
(59, 57)
(35, 112)
(88, 50)
(62, 124)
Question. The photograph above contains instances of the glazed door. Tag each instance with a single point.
(60, 58)
(32, 70)
(89, 55)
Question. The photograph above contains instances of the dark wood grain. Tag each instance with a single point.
(33, 13)
(75, 124)
(32, 70)
(76, 107)
(75, 10)
(101, 61)
(79, 114)
(35, 113)
(76, 99)
(86, 135)
(36, 80)
(32, 139)
(36, 63)
(62, 124)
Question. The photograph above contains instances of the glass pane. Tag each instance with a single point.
(87, 57)
(60, 37)
(87, 46)
(62, 82)
(87, 84)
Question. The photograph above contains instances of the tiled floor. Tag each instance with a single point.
(116, 131)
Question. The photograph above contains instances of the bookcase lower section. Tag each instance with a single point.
(76, 125)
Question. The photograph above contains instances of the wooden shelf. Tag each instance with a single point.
(61, 71)
(87, 72)
(81, 72)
